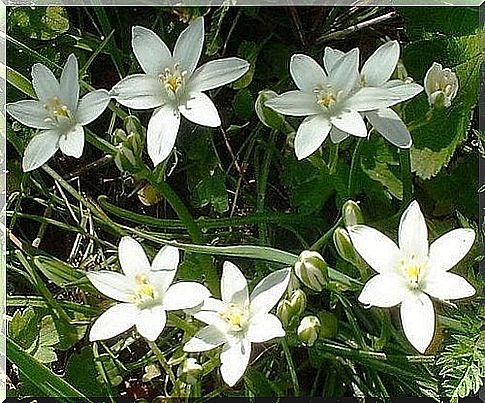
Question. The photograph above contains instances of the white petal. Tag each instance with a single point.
(132, 257)
(389, 124)
(264, 327)
(402, 91)
(379, 67)
(444, 285)
(114, 285)
(184, 295)
(69, 83)
(205, 339)
(151, 321)
(139, 91)
(433, 75)
(234, 287)
(234, 361)
(306, 72)
(371, 98)
(350, 122)
(44, 82)
(72, 143)
(167, 259)
(295, 103)
(383, 290)
(217, 73)
(91, 106)
(162, 132)
(213, 319)
(42, 147)
(450, 248)
(413, 233)
(189, 44)
(417, 317)
(310, 135)
(337, 135)
(269, 291)
(345, 73)
(30, 113)
(375, 248)
(331, 57)
(201, 110)
(114, 321)
(150, 51)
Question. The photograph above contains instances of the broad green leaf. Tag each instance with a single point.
(48, 338)
(49, 383)
(23, 328)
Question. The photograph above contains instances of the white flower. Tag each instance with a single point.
(441, 85)
(171, 85)
(332, 101)
(376, 72)
(58, 112)
(145, 292)
(239, 319)
(411, 273)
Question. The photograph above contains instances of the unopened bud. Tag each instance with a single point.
(351, 213)
(346, 251)
(268, 116)
(441, 85)
(312, 270)
(308, 330)
(189, 371)
(284, 312)
(298, 302)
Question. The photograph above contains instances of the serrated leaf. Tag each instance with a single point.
(23, 327)
(48, 338)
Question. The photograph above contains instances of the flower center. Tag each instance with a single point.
(144, 291)
(57, 110)
(236, 317)
(414, 272)
(327, 96)
(173, 79)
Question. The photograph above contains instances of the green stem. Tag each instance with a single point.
(406, 176)
(325, 237)
(353, 166)
(333, 159)
(163, 362)
(291, 367)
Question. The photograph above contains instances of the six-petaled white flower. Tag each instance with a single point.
(331, 98)
(441, 85)
(58, 112)
(376, 72)
(239, 319)
(411, 273)
(173, 85)
(145, 292)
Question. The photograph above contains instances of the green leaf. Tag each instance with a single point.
(41, 376)
(243, 104)
(23, 328)
(212, 190)
(60, 273)
(48, 337)
(248, 51)
(83, 363)
(44, 23)
(20, 82)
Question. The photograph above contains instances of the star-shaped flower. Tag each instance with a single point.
(58, 112)
(376, 72)
(239, 319)
(413, 272)
(331, 98)
(173, 86)
(145, 292)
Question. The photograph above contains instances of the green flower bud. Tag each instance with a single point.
(189, 371)
(308, 330)
(351, 213)
(312, 270)
(346, 251)
(284, 312)
(298, 302)
(329, 324)
(148, 195)
(266, 115)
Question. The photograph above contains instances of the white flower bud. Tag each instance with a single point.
(351, 213)
(441, 85)
(298, 302)
(284, 312)
(308, 330)
(312, 270)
